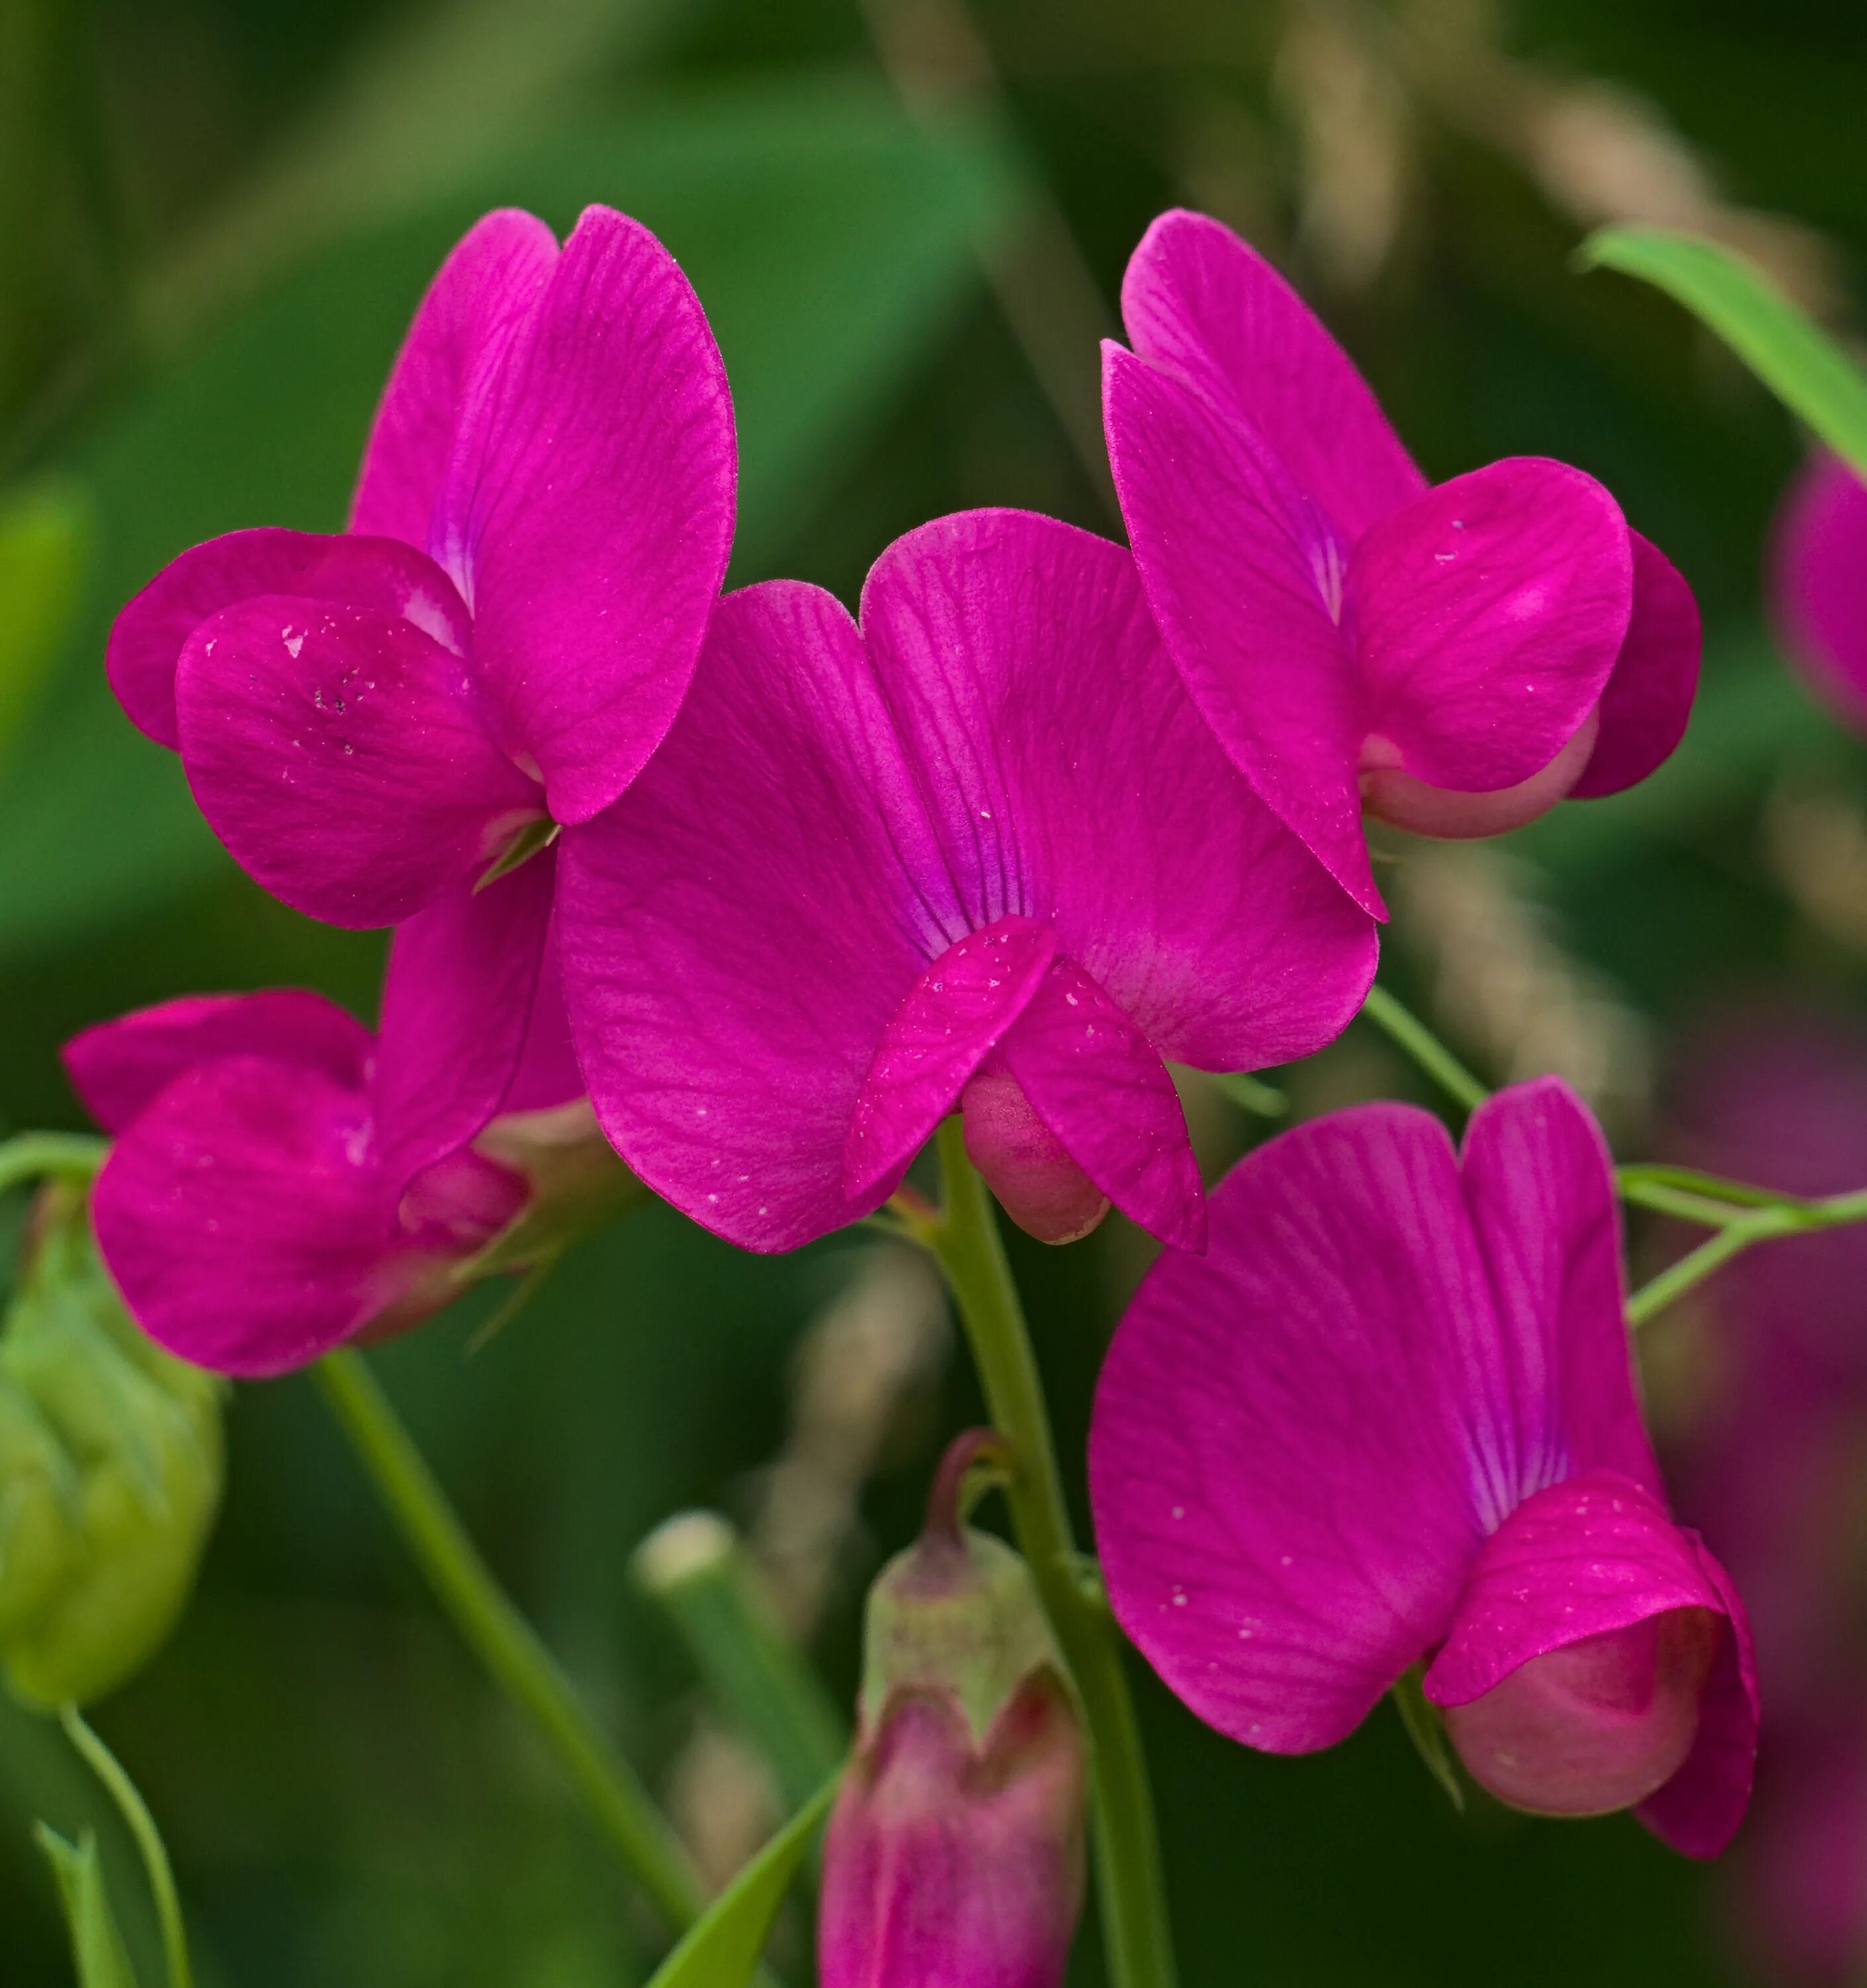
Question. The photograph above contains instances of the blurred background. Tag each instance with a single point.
(908, 221)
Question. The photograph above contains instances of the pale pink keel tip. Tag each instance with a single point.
(1390, 1419)
(377, 721)
(979, 854)
(1455, 659)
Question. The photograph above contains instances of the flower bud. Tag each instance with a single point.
(954, 1858)
(110, 1472)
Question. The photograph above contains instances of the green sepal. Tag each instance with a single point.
(1420, 1718)
(535, 837)
(579, 1186)
(958, 1616)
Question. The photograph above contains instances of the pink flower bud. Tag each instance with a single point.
(954, 1858)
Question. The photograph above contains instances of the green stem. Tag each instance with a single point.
(1412, 1034)
(32, 1155)
(1129, 1880)
(1737, 1229)
(1638, 1181)
(1679, 1278)
(505, 1641)
(135, 1811)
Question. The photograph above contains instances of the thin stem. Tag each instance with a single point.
(135, 1811)
(505, 1641)
(1129, 1875)
(1637, 1179)
(1737, 1229)
(33, 1155)
(1680, 1277)
(1413, 1036)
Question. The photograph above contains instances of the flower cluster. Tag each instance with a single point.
(1044, 818)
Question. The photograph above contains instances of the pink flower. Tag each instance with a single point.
(977, 853)
(1390, 1419)
(1456, 658)
(247, 1209)
(1774, 1468)
(372, 722)
(1818, 582)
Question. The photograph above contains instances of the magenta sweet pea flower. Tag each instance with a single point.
(1389, 1420)
(978, 852)
(1773, 1467)
(247, 1210)
(377, 724)
(1818, 583)
(1455, 659)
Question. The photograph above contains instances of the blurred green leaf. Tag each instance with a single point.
(829, 237)
(1796, 361)
(722, 1949)
(97, 1948)
(45, 530)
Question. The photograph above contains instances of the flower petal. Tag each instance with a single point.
(547, 1074)
(242, 1216)
(1487, 616)
(1239, 594)
(118, 1067)
(338, 752)
(1277, 1464)
(1583, 1557)
(457, 1004)
(1648, 703)
(1069, 778)
(1818, 581)
(734, 950)
(148, 636)
(1100, 1086)
(1539, 1180)
(936, 1039)
(589, 513)
(1198, 299)
(489, 286)
(1698, 1810)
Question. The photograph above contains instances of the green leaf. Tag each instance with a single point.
(96, 1946)
(830, 239)
(722, 1949)
(1796, 361)
(45, 543)
(1424, 1728)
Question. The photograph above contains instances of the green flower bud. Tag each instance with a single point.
(110, 1472)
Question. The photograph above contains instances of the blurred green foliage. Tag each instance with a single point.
(214, 217)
